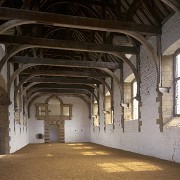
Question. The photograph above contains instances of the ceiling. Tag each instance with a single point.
(74, 60)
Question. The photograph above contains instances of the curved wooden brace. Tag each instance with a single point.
(36, 89)
(82, 5)
(150, 48)
(125, 59)
(12, 23)
(171, 5)
(33, 75)
(137, 36)
(25, 66)
(15, 74)
(35, 83)
(29, 86)
(10, 54)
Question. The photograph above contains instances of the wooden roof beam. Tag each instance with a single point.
(64, 63)
(174, 4)
(63, 80)
(67, 45)
(62, 86)
(132, 9)
(66, 73)
(76, 22)
(64, 91)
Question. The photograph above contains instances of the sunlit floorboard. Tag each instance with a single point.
(83, 161)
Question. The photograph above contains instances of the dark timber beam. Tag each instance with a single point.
(64, 91)
(76, 22)
(33, 90)
(65, 63)
(149, 7)
(63, 80)
(174, 4)
(66, 45)
(66, 73)
(59, 90)
(63, 86)
(132, 9)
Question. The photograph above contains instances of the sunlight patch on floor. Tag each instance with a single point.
(83, 147)
(131, 166)
(77, 144)
(49, 155)
(2, 156)
(94, 153)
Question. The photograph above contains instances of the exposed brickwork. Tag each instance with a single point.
(167, 81)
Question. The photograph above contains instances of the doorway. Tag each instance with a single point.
(54, 133)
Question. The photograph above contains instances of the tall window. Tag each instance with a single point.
(131, 111)
(177, 84)
(95, 114)
(135, 102)
(108, 110)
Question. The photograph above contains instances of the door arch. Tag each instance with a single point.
(54, 117)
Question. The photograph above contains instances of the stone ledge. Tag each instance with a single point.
(175, 122)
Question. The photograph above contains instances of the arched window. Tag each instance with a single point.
(130, 92)
(135, 102)
(177, 83)
(108, 109)
(95, 114)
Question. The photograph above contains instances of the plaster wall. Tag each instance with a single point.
(18, 132)
(150, 141)
(76, 130)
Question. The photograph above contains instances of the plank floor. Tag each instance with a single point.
(83, 161)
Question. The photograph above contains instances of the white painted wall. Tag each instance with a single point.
(150, 141)
(19, 137)
(76, 130)
(19, 134)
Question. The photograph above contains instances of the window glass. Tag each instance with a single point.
(177, 84)
(135, 102)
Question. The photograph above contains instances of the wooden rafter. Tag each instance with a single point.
(76, 22)
(66, 73)
(67, 45)
(64, 80)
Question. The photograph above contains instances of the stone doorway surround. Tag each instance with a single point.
(54, 121)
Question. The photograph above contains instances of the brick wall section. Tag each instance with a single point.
(170, 35)
(167, 81)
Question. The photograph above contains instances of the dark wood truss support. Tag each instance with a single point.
(65, 63)
(76, 22)
(63, 80)
(66, 45)
(174, 4)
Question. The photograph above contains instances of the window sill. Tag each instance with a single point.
(128, 120)
(173, 123)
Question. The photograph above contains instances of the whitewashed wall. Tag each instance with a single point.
(76, 130)
(19, 134)
(19, 137)
(150, 141)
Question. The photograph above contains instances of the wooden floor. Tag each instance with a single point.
(83, 161)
